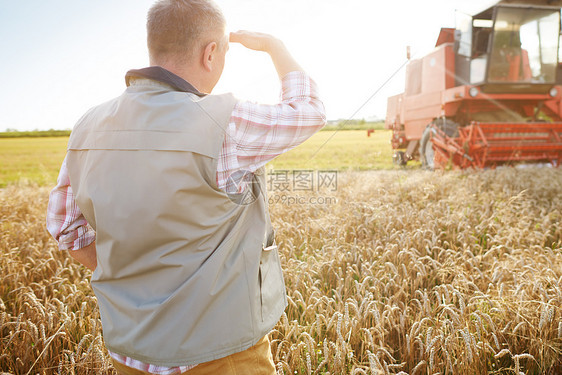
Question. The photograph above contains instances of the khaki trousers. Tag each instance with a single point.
(256, 360)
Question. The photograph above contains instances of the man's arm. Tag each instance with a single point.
(67, 225)
(86, 256)
(257, 133)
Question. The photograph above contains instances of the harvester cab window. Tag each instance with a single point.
(525, 46)
(482, 31)
(482, 34)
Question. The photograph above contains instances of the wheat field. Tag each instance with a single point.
(394, 272)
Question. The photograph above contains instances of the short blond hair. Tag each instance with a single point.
(177, 28)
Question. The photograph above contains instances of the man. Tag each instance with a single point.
(151, 197)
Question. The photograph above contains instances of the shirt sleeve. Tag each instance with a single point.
(258, 133)
(65, 221)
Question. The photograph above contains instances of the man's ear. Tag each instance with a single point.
(209, 56)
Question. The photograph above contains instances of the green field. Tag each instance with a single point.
(38, 160)
(341, 150)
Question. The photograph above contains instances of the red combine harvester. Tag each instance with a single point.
(488, 94)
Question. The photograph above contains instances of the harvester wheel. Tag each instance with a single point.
(399, 158)
(447, 126)
(427, 154)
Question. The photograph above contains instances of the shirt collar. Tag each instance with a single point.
(157, 73)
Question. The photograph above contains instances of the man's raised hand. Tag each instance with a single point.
(254, 40)
(282, 59)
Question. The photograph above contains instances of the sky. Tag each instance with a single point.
(58, 58)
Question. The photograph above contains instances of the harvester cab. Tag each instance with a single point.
(512, 45)
(488, 94)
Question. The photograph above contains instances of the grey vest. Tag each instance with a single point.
(184, 275)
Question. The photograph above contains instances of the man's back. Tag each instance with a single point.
(167, 237)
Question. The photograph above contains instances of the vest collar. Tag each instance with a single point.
(157, 73)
